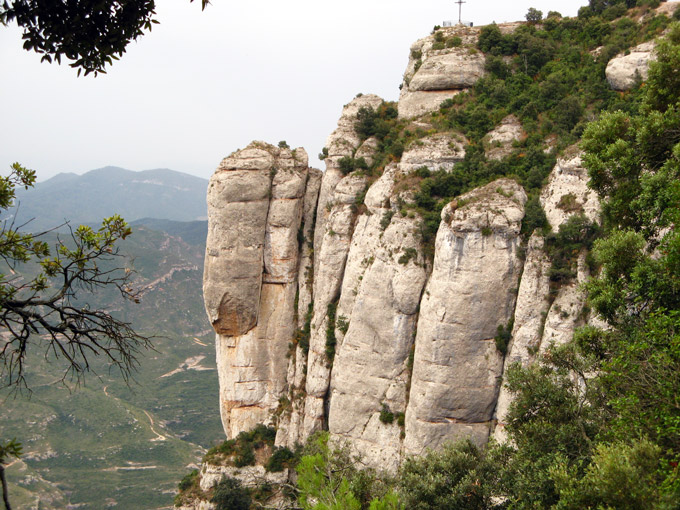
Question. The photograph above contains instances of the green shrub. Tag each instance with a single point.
(245, 455)
(188, 481)
(577, 233)
(230, 495)
(503, 337)
(189, 488)
(534, 15)
(281, 458)
(534, 217)
(386, 219)
(386, 416)
(301, 336)
(457, 476)
(346, 164)
(454, 42)
(330, 331)
(409, 253)
(342, 324)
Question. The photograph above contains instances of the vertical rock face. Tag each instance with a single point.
(543, 318)
(529, 320)
(329, 316)
(457, 367)
(377, 313)
(440, 66)
(436, 72)
(567, 191)
(336, 213)
(255, 206)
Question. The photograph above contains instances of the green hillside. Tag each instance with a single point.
(103, 442)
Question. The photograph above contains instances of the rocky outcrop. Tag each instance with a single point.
(458, 68)
(377, 313)
(626, 71)
(328, 313)
(335, 215)
(469, 294)
(567, 191)
(255, 206)
(499, 142)
(545, 316)
(437, 70)
(436, 152)
(533, 302)
(440, 66)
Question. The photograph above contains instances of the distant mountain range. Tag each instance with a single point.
(106, 444)
(88, 198)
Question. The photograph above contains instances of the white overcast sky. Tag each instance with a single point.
(203, 84)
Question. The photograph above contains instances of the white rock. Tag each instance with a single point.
(529, 319)
(457, 368)
(625, 71)
(567, 192)
(379, 301)
(414, 104)
(498, 142)
(256, 202)
(460, 68)
(439, 151)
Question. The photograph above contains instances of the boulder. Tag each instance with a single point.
(625, 71)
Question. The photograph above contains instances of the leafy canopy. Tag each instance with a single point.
(41, 310)
(89, 33)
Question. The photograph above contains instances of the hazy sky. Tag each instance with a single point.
(203, 84)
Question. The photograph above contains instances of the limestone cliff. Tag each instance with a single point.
(256, 201)
(331, 309)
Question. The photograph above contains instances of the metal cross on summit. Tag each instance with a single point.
(460, 7)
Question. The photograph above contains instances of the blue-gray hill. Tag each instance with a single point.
(87, 198)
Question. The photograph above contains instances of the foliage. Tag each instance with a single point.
(533, 15)
(240, 451)
(188, 481)
(389, 501)
(280, 459)
(44, 312)
(534, 217)
(409, 254)
(323, 477)
(302, 335)
(330, 331)
(90, 33)
(549, 420)
(348, 164)
(459, 476)
(189, 488)
(619, 476)
(342, 324)
(386, 416)
(596, 423)
(574, 237)
(230, 495)
(503, 336)
(552, 83)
